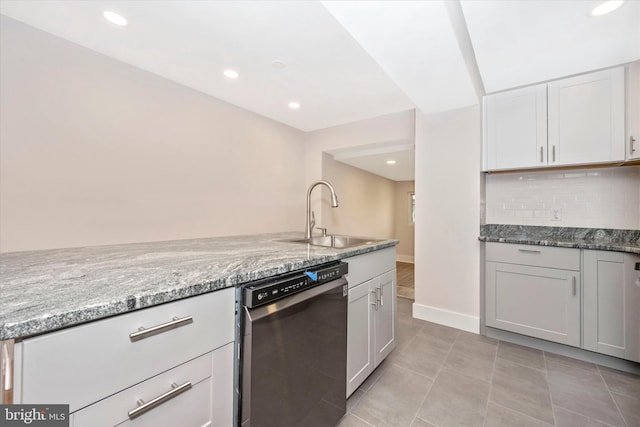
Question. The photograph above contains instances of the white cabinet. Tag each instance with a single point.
(633, 111)
(611, 304)
(371, 313)
(572, 121)
(534, 291)
(515, 126)
(586, 118)
(101, 363)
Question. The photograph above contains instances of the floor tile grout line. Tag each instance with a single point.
(584, 416)
(609, 388)
(435, 378)
(493, 373)
(624, 420)
(424, 399)
(546, 375)
(363, 420)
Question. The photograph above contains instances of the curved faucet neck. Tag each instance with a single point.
(334, 204)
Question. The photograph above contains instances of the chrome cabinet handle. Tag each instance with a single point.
(381, 296)
(632, 148)
(7, 356)
(375, 298)
(143, 333)
(146, 407)
(573, 285)
(530, 251)
(541, 155)
(553, 153)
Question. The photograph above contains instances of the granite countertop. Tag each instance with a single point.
(567, 237)
(51, 289)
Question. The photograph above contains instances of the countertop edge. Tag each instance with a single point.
(51, 323)
(564, 244)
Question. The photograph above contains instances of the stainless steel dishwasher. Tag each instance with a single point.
(294, 349)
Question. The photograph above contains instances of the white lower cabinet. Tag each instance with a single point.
(611, 304)
(538, 291)
(371, 314)
(181, 350)
(534, 291)
(539, 302)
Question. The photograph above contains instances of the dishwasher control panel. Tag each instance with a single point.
(269, 290)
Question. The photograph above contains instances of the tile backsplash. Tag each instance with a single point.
(594, 198)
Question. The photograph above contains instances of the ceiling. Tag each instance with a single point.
(347, 61)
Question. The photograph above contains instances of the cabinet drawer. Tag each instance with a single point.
(367, 266)
(83, 364)
(189, 408)
(538, 256)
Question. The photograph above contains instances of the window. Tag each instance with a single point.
(412, 208)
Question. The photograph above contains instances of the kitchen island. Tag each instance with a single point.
(48, 290)
(121, 331)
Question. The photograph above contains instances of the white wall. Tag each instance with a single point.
(367, 201)
(403, 229)
(94, 151)
(447, 250)
(594, 198)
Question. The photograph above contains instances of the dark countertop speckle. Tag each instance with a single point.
(566, 237)
(51, 289)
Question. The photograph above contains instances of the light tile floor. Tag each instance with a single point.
(439, 376)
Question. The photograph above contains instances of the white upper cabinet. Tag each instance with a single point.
(515, 126)
(586, 118)
(573, 121)
(633, 112)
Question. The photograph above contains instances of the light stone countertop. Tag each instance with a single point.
(42, 291)
(566, 237)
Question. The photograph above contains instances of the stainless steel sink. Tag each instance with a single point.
(333, 241)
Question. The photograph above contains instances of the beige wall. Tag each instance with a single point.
(403, 229)
(392, 127)
(94, 151)
(366, 201)
(447, 251)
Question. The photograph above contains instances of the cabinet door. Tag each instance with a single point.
(586, 118)
(611, 304)
(359, 344)
(384, 323)
(515, 124)
(536, 301)
(633, 111)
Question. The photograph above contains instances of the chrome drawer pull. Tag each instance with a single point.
(530, 251)
(145, 407)
(143, 333)
(573, 285)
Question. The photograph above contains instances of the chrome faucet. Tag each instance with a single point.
(311, 218)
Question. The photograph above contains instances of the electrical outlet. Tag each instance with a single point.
(556, 214)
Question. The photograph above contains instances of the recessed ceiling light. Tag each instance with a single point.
(278, 64)
(391, 162)
(294, 105)
(606, 7)
(114, 18)
(231, 74)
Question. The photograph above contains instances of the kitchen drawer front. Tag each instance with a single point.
(367, 266)
(189, 408)
(83, 364)
(537, 256)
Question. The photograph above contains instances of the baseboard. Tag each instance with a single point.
(405, 258)
(447, 318)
